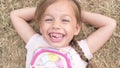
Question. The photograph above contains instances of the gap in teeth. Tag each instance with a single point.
(56, 35)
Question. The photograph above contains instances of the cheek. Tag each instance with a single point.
(70, 29)
(44, 28)
(73, 29)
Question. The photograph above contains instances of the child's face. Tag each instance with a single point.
(59, 24)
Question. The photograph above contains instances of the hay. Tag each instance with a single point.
(12, 50)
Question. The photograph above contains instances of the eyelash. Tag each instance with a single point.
(48, 20)
(64, 20)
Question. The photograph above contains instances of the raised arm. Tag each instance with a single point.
(105, 29)
(19, 20)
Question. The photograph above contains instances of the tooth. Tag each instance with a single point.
(54, 35)
(57, 36)
(60, 35)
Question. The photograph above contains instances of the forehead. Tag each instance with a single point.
(63, 3)
(61, 6)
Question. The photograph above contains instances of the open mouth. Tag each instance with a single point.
(56, 37)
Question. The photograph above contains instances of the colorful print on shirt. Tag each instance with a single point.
(50, 58)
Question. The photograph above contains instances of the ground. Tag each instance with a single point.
(12, 47)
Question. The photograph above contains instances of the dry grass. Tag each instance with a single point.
(12, 49)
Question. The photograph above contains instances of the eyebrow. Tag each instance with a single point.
(61, 16)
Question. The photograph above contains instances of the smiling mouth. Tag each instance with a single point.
(56, 37)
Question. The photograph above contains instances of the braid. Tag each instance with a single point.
(75, 45)
(78, 49)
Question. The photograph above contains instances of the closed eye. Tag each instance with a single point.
(48, 19)
(65, 20)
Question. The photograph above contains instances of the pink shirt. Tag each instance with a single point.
(37, 41)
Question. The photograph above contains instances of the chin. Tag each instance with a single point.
(57, 46)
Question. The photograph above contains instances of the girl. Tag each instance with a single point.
(59, 22)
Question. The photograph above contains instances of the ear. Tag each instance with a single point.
(77, 30)
(40, 30)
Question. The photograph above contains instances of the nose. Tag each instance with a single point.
(56, 25)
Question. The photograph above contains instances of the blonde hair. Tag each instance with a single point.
(42, 6)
